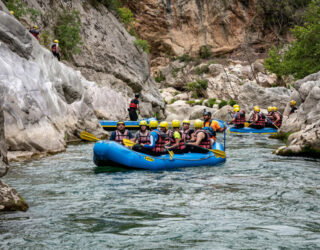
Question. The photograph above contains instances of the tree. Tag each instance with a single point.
(301, 58)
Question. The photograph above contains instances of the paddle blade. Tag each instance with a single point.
(128, 143)
(246, 124)
(88, 137)
(218, 153)
(171, 154)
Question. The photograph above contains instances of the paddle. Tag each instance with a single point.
(88, 137)
(218, 153)
(130, 143)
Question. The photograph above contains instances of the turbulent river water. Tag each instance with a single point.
(255, 200)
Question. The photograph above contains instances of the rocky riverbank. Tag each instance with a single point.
(302, 129)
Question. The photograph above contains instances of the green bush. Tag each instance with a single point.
(185, 58)
(174, 72)
(173, 100)
(222, 103)
(205, 52)
(232, 102)
(191, 102)
(201, 70)
(211, 102)
(126, 15)
(143, 44)
(67, 31)
(34, 14)
(45, 39)
(160, 77)
(198, 88)
(18, 6)
(302, 56)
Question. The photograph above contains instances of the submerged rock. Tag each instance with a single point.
(303, 127)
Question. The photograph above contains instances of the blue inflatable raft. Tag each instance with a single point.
(247, 130)
(110, 153)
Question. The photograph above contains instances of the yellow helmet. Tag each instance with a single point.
(275, 109)
(11, 12)
(236, 109)
(164, 124)
(270, 109)
(256, 108)
(35, 26)
(198, 123)
(153, 124)
(185, 122)
(143, 123)
(175, 123)
(236, 106)
(56, 41)
(293, 102)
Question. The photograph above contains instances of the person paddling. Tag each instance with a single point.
(239, 118)
(202, 137)
(258, 119)
(142, 135)
(269, 118)
(186, 131)
(157, 141)
(55, 49)
(133, 107)
(121, 133)
(177, 144)
(34, 31)
(277, 118)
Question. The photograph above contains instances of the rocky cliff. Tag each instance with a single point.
(178, 27)
(302, 129)
(44, 98)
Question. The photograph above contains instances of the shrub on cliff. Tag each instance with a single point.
(301, 58)
(143, 44)
(205, 52)
(198, 88)
(67, 31)
(20, 9)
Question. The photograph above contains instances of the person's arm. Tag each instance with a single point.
(177, 139)
(113, 136)
(153, 139)
(199, 139)
(277, 116)
(137, 105)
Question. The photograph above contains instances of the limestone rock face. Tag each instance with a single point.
(179, 27)
(10, 200)
(304, 125)
(46, 103)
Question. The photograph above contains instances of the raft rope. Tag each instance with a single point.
(157, 157)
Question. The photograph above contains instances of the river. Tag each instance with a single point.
(255, 200)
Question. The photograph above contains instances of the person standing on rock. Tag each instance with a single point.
(133, 107)
(55, 49)
(258, 119)
(121, 133)
(143, 135)
(34, 31)
(293, 107)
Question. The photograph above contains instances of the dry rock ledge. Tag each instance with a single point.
(302, 129)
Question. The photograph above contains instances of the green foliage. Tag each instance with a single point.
(18, 6)
(45, 39)
(193, 102)
(126, 15)
(173, 100)
(222, 103)
(205, 52)
(143, 44)
(160, 77)
(232, 102)
(201, 70)
(302, 57)
(67, 31)
(174, 72)
(112, 5)
(33, 14)
(280, 15)
(211, 102)
(175, 93)
(185, 58)
(198, 88)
